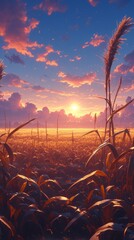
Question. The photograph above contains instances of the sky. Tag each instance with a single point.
(53, 51)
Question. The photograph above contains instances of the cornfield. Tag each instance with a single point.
(80, 187)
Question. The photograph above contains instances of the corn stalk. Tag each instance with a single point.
(2, 73)
(109, 57)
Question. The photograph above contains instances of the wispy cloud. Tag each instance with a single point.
(128, 66)
(77, 81)
(51, 6)
(52, 63)
(14, 58)
(61, 74)
(32, 25)
(43, 57)
(126, 69)
(129, 58)
(15, 27)
(122, 68)
(93, 2)
(37, 88)
(96, 40)
(121, 3)
(14, 80)
(76, 58)
(40, 89)
(129, 88)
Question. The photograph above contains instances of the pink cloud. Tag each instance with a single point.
(15, 31)
(43, 57)
(129, 58)
(71, 60)
(86, 44)
(61, 74)
(40, 89)
(51, 6)
(33, 24)
(52, 63)
(14, 81)
(20, 112)
(131, 69)
(129, 88)
(119, 2)
(93, 2)
(127, 70)
(15, 101)
(77, 81)
(95, 41)
(124, 69)
(7, 94)
(75, 58)
(49, 49)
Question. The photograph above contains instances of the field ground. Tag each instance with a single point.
(62, 132)
(48, 193)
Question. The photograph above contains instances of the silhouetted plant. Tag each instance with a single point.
(109, 57)
(2, 73)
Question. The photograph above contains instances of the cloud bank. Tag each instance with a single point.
(17, 113)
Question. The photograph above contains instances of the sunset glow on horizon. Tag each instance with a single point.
(74, 108)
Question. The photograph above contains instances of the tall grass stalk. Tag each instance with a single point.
(38, 131)
(109, 57)
(57, 130)
(72, 141)
(5, 120)
(46, 132)
(95, 120)
(2, 73)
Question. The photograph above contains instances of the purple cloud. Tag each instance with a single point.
(121, 3)
(129, 58)
(77, 81)
(15, 28)
(51, 6)
(18, 112)
(15, 59)
(14, 80)
(93, 2)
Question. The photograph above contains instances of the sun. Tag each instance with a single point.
(74, 107)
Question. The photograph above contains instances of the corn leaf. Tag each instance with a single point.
(81, 214)
(105, 144)
(87, 177)
(121, 156)
(119, 109)
(61, 199)
(9, 151)
(16, 129)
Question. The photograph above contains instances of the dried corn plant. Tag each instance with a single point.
(109, 57)
(2, 73)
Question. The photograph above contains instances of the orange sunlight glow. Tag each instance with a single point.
(74, 108)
